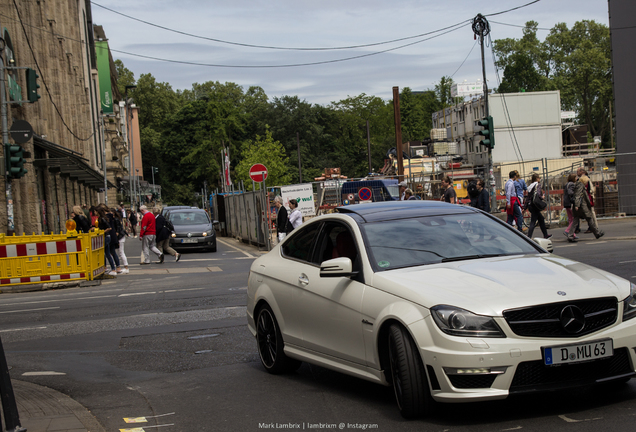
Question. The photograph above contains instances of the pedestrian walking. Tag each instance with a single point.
(513, 204)
(133, 222)
(121, 238)
(281, 218)
(583, 208)
(81, 223)
(295, 217)
(104, 224)
(568, 198)
(147, 234)
(164, 229)
(450, 196)
(483, 199)
(534, 190)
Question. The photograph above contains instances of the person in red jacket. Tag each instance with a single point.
(147, 235)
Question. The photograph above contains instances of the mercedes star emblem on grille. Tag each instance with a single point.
(572, 319)
(189, 234)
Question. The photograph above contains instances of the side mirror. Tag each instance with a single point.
(544, 243)
(215, 224)
(337, 267)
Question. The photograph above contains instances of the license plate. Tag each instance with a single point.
(189, 241)
(574, 353)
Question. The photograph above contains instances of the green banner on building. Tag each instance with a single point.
(103, 72)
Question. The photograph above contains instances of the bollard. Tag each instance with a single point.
(9, 407)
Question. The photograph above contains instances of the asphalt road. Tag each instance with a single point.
(170, 342)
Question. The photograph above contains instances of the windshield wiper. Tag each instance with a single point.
(469, 257)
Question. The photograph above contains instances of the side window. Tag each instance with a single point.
(336, 241)
(302, 242)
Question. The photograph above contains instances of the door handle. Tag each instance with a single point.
(303, 279)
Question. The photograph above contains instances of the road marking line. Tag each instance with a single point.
(599, 242)
(214, 269)
(625, 262)
(21, 329)
(57, 301)
(137, 294)
(143, 419)
(43, 373)
(234, 247)
(29, 310)
(187, 289)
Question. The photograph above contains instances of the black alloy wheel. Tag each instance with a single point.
(270, 344)
(410, 384)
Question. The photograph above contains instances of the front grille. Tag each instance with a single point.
(544, 320)
(472, 381)
(534, 375)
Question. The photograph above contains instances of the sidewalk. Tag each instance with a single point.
(43, 409)
(615, 229)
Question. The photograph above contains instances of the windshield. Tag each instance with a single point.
(189, 218)
(394, 190)
(436, 239)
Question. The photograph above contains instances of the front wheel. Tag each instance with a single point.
(270, 344)
(407, 374)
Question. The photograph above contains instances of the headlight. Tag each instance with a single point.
(459, 322)
(629, 304)
(173, 235)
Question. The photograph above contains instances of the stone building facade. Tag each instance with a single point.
(71, 143)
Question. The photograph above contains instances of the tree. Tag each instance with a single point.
(575, 61)
(125, 77)
(268, 152)
(443, 91)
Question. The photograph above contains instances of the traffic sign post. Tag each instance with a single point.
(258, 172)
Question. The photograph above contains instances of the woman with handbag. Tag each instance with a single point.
(536, 204)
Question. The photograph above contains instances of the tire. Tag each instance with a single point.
(270, 344)
(408, 376)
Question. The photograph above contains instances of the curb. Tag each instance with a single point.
(48, 286)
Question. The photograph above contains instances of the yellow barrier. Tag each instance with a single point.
(52, 257)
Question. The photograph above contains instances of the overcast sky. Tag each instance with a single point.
(321, 24)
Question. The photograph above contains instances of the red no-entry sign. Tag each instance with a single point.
(258, 172)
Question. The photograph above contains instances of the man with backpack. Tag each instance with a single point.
(164, 230)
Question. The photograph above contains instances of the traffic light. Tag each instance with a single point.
(14, 159)
(32, 85)
(155, 170)
(488, 132)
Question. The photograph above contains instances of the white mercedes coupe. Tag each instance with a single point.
(443, 302)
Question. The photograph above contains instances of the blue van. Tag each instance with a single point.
(354, 192)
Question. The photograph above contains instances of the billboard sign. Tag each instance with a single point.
(466, 89)
(303, 194)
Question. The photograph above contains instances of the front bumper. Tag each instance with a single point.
(193, 242)
(473, 369)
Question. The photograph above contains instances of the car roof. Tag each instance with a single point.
(389, 210)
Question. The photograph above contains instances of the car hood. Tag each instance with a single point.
(490, 285)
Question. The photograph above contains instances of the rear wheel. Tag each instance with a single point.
(407, 374)
(270, 344)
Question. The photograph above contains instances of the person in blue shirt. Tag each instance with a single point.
(520, 187)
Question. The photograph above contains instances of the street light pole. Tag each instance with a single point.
(131, 159)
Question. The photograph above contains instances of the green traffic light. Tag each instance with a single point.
(32, 85)
(14, 158)
(488, 132)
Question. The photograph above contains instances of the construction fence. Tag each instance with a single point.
(30, 259)
(249, 216)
